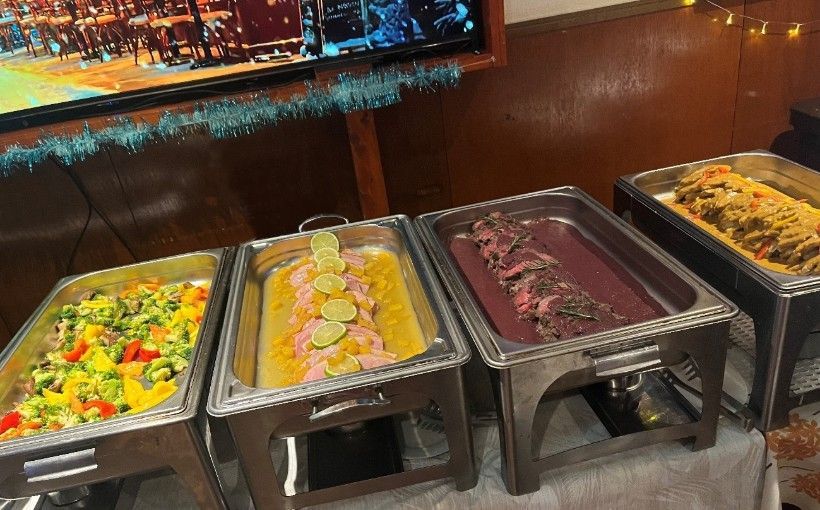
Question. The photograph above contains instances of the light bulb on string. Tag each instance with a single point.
(763, 30)
(730, 18)
(794, 32)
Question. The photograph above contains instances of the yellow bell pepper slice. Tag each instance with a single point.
(131, 369)
(101, 362)
(71, 384)
(52, 397)
(140, 399)
(92, 331)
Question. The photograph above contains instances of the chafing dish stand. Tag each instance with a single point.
(256, 415)
(785, 309)
(159, 438)
(523, 374)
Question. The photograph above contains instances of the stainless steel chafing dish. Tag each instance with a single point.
(783, 309)
(695, 328)
(161, 437)
(257, 415)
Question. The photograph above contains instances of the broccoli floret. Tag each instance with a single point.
(84, 391)
(178, 363)
(32, 407)
(183, 350)
(162, 374)
(158, 370)
(115, 351)
(166, 349)
(43, 379)
(92, 414)
(107, 375)
(121, 405)
(68, 312)
(110, 389)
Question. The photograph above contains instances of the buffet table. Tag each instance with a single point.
(669, 475)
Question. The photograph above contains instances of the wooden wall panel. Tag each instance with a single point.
(775, 71)
(5, 334)
(414, 157)
(585, 105)
(188, 195)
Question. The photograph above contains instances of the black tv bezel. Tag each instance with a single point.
(243, 82)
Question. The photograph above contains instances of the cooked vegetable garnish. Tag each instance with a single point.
(115, 355)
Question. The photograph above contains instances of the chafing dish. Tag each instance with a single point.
(695, 326)
(261, 419)
(161, 437)
(784, 308)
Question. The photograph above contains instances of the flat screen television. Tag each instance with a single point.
(67, 59)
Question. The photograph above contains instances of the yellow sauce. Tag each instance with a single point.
(395, 318)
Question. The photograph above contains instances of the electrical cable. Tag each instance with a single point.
(91, 206)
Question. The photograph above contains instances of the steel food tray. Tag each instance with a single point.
(97, 451)
(657, 186)
(256, 416)
(687, 301)
(234, 388)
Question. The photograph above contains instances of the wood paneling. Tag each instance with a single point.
(367, 162)
(188, 195)
(414, 157)
(5, 334)
(586, 105)
(775, 71)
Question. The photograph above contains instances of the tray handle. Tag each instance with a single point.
(622, 362)
(60, 466)
(349, 404)
(317, 217)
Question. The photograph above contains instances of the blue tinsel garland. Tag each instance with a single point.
(235, 117)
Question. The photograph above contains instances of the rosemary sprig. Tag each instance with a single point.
(573, 313)
(515, 242)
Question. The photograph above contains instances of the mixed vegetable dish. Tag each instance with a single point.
(115, 355)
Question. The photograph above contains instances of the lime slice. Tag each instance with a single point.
(329, 282)
(325, 252)
(331, 263)
(324, 240)
(338, 310)
(327, 334)
(348, 365)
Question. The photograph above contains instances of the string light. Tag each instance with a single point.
(731, 16)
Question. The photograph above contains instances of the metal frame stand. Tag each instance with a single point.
(177, 446)
(519, 389)
(252, 432)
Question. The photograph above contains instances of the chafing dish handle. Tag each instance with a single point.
(348, 404)
(317, 217)
(60, 466)
(617, 363)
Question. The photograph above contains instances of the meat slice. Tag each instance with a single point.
(540, 288)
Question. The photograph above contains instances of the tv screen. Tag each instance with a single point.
(62, 59)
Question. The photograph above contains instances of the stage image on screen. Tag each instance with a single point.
(54, 52)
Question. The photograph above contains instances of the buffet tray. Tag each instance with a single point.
(233, 387)
(656, 186)
(687, 302)
(57, 450)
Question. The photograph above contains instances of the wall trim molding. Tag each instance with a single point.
(607, 13)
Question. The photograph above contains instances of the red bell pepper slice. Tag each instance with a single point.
(9, 421)
(761, 253)
(75, 354)
(107, 409)
(148, 354)
(131, 351)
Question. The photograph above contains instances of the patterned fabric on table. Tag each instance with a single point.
(795, 454)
